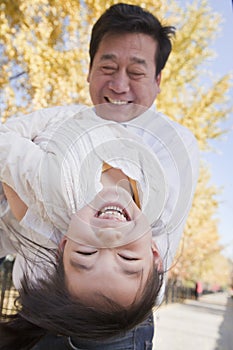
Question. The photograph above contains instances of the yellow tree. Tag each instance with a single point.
(44, 62)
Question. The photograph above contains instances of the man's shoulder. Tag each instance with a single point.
(181, 129)
(159, 125)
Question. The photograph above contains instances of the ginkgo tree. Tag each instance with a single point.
(44, 62)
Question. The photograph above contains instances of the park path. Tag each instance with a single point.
(206, 324)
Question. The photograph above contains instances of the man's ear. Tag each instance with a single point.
(158, 78)
(157, 258)
(88, 74)
(157, 84)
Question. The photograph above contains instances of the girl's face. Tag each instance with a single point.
(108, 249)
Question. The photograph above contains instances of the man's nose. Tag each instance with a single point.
(119, 82)
(108, 237)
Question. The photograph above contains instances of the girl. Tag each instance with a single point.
(86, 191)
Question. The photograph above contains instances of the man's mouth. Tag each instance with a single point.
(113, 213)
(117, 102)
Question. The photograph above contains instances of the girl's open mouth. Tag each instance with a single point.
(113, 212)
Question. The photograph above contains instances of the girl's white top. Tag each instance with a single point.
(53, 159)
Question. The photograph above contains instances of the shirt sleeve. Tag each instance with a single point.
(177, 150)
(33, 124)
(168, 243)
(18, 151)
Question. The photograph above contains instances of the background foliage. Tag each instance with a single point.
(44, 62)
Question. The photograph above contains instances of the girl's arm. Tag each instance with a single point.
(17, 206)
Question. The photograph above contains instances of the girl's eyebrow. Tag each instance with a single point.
(80, 266)
(135, 273)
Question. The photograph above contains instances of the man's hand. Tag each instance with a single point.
(18, 207)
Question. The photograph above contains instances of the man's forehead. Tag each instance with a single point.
(123, 38)
(114, 57)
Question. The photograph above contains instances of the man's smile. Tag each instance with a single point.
(117, 102)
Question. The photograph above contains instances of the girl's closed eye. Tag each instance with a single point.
(85, 253)
(129, 258)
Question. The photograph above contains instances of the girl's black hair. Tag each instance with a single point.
(47, 307)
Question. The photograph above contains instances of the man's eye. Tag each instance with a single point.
(124, 257)
(86, 253)
(136, 74)
(108, 69)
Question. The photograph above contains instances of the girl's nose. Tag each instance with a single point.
(109, 237)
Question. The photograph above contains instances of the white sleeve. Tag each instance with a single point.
(176, 235)
(19, 156)
(194, 153)
(19, 159)
(33, 124)
(168, 242)
(177, 150)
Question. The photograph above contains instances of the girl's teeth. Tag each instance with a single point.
(112, 213)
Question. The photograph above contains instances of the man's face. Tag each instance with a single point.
(123, 76)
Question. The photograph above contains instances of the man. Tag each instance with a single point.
(128, 50)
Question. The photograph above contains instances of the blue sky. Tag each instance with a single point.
(221, 161)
